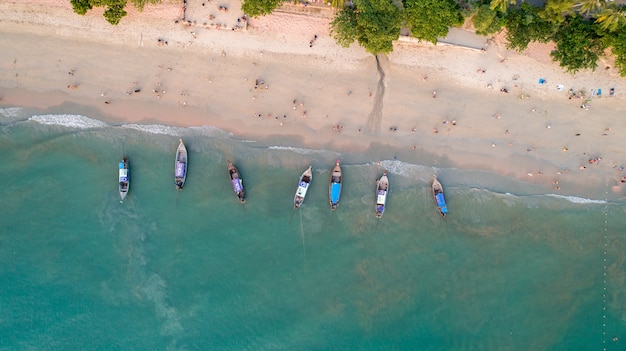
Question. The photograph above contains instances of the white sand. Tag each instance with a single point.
(206, 76)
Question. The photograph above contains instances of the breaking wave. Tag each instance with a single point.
(71, 121)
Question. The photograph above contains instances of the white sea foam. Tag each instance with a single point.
(573, 199)
(405, 169)
(302, 151)
(155, 129)
(11, 112)
(210, 131)
(578, 200)
(72, 121)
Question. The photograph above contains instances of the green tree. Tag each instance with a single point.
(487, 21)
(431, 19)
(501, 5)
(114, 11)
(617, 42)
(344, 27)
(374, 24)
(140, 4)
(114, 14)
(578, 46)
(256, 8)
(523, 25)
(555, 10)
(81, 6)
(612, 18)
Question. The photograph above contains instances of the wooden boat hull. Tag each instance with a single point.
(180, 166)
(334, 188)
(303, 187)
(440, 201)
(124, 177)
(236, 182)
(382, 189)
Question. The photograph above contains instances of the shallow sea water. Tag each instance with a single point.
(509, 269)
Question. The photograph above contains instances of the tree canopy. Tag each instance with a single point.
(114, 11)
(524, 24)
(582, 30)
(487, 21)
(578, 46)
(256, 8)
(617, 41)
(612, 18)
(374, 24)
(554, 11)
(431, 19)
(501, 5)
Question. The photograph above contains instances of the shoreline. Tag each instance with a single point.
(210, 79)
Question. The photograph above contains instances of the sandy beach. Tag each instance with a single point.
(284, 76)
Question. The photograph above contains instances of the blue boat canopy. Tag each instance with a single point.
(335, 192)
(441, 202)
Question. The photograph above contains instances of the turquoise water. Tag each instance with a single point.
(510, 269)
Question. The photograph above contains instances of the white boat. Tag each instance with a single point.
(180, 166)
(124, 177)
(334, 188)
(303, 186)
(440, 201)
(236, 182)
(382, 189)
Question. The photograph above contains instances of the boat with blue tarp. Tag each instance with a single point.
(440, 201)
(334, 189)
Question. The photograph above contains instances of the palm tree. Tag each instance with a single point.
(589, 7)
(501, 5)
(612, 18)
